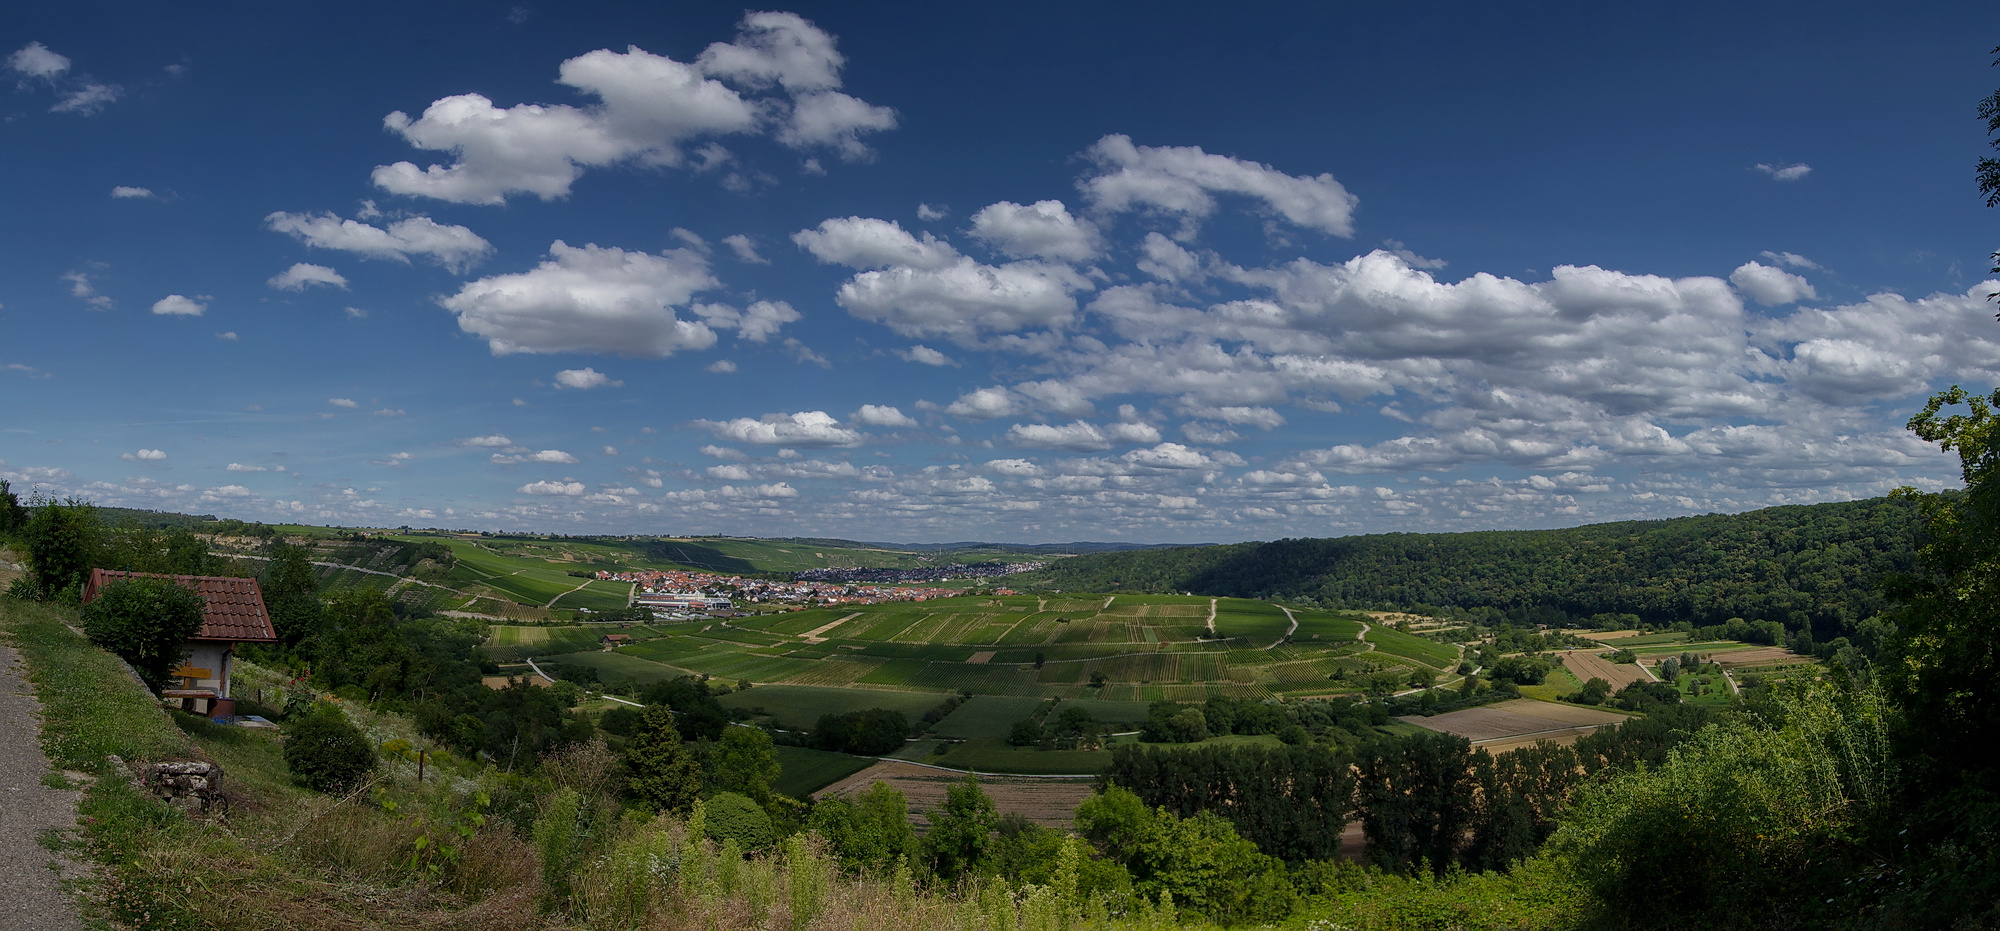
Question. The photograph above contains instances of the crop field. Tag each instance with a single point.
(1109, 654)
(800, 706)
(1587, 665)
(1047, 802)
(617, 667)
(1522, 717)
(987, 716)
(803, 771)
(510, 644)
(1703, 648)
(1428, 652)
(1647, 640)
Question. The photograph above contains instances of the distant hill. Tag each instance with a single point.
(1040, 549)
(1814, 565)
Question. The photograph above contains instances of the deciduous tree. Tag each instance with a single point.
(147, 622)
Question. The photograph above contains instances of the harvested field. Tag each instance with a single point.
(1047, 802)
(1587, 665)
(981, 658)
(501, 682)
(1602, 635)
(1764, 656)
(1513, 720)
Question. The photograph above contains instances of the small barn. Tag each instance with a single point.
(614, 641)
(234, 614)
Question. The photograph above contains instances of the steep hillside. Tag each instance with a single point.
(1817, 564)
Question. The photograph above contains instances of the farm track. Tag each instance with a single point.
(813, 636)
(1274, 644)
(552, 601)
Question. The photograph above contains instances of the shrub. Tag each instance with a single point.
(146, 622)
(733, 816)
(325, 752)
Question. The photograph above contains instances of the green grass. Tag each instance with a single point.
(91, 706)
(1703, 648)
(798, 707)
(802, 771)
(1646, 640)
(996, 756)
(987, 716)
(1428, 652)
(618, 667)
(509, 643)
(1560, 682)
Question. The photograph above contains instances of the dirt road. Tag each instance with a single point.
(35, 900)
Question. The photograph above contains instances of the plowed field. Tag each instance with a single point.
(1587, 665)
(1517, 723)
(1048, 802)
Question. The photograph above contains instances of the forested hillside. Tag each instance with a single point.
(1816, 564)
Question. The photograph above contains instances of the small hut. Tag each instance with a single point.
(234, 613)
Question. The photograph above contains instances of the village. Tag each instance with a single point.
(685, 593)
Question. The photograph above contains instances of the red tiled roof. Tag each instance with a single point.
(235, 612)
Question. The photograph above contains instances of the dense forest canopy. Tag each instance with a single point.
(1809, 566)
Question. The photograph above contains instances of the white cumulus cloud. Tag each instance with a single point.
(805, 428)
(176, 305)
(454, 247)
(35, 60)
(553, 489)
(925, 355)
(1043, 229)
(649, 108)
(1770, 286)
(302, 274)
(589, 299)
(880, 415)
(584, 378)
(124, 192)
(1183, 180)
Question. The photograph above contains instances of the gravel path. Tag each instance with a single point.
(29, 885)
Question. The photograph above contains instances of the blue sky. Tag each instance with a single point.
(1026, 272)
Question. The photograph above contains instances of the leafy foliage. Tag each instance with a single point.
(12, 515)
(291, 594)
(734, 817)
(324, 751)
(63, 539)
(871, 831)
(870, 732)
(147, 622)
(664, 775)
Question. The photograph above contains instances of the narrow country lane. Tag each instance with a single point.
(31, 891)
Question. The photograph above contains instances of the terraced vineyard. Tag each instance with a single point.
(1106, 652)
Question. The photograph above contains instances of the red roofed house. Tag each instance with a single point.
(235, 614)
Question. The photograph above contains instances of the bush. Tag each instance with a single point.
(733, 816)
(325, 752)
(146, 622)
(869, 733)
(1522, 670)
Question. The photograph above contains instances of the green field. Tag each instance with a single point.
(987, 716)
(996, 756)
(800, 706)
(802, 772)
(1110, 654)
(507, 643)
